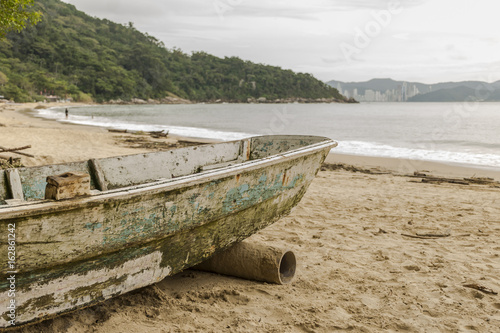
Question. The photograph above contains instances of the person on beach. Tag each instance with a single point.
(66, 112)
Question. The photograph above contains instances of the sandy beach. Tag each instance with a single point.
(377, 251)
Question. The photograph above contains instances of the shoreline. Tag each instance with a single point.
(22, 116)
(30, 112)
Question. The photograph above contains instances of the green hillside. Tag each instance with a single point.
(72, 54)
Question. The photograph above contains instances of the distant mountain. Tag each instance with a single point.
(388, 90)
(495, 96)
(467, 91)
(456, 94)
(496, 84)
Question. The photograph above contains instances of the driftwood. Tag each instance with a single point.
(24, 154)
(444, 180)
(481, 180)
(446, 234)
(480, 288)
(158, 134)
(430, 235)
(15, 150)
(427, 236)
(417, 236)
(462, 181)
(153, 134)
(351, 168)
(3, 149)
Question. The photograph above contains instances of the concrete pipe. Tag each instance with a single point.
(254, 262)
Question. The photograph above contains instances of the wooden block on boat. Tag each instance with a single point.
(67, 185)
(14, 181)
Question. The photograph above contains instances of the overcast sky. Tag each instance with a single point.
(347, 40)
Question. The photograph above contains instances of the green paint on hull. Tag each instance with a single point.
(246, 195)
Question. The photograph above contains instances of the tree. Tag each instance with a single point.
(16, 14)
(3, 79)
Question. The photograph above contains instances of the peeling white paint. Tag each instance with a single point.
(139, 273)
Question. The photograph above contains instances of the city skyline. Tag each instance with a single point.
(400, 94)
(388, 90)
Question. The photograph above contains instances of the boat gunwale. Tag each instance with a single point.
(32, 208)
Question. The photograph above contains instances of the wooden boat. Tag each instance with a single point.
(145, 217)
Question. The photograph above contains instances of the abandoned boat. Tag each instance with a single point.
(79, 233)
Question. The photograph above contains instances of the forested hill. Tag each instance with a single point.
(72, 54)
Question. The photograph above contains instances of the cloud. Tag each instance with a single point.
(402, 36)
(372, 4)
(253, 11)
(305, 35)
(121, 10)
(293, 9)
(335, 60)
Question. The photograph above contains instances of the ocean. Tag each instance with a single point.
(463, 133)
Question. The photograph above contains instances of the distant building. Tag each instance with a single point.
(52, 98)
(369, 95)
(404, 93)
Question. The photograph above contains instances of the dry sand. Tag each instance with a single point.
(52, 142)
(358, 270)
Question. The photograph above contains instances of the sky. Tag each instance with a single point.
(426, 41)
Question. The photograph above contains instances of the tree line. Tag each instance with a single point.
(70, 54)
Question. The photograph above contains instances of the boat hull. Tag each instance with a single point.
(76, 253)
